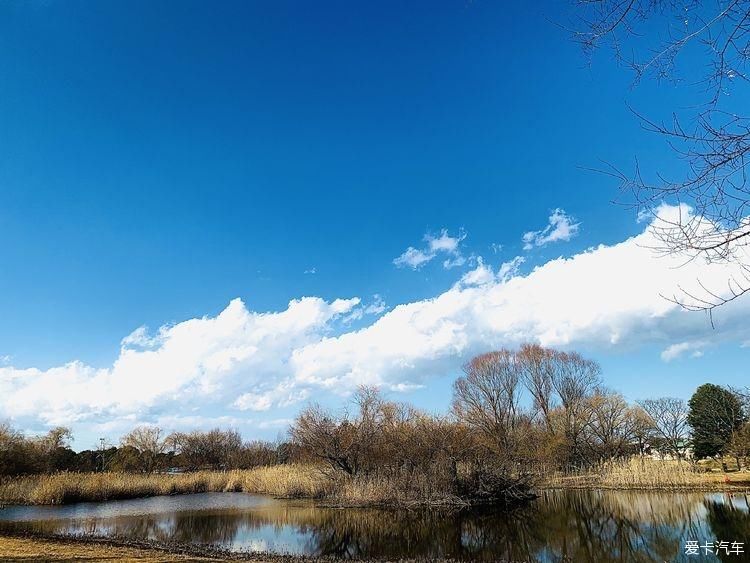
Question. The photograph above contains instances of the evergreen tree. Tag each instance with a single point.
(715, 415)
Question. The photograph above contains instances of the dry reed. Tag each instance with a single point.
(399, 491)
(308, 481)
(648, 474)
(281, 481)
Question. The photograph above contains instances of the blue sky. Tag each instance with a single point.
(160, 159)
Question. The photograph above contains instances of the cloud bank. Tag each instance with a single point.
(241, 362)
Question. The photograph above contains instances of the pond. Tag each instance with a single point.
(560, 525)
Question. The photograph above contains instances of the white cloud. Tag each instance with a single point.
(604, 297)
(377, 306)
(312, 270)
(210, 360)
(678, 350)
(454, 262)
(413, 258)
(241, 361)
(139, 338)
(480, 275)
(254, 401)
(443, 243)
(510, 268)
(560, 228)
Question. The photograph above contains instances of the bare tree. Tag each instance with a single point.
(537, 368)
(14, 453)
(149, 442)
(486, 398)
(669, 419)
(713, 139)
(328, 438)
(256, 453)
(743, 396)
(214, 449)
(610, 425)
(739, 446)
(643, 429)
(58, 437)
(574, 379)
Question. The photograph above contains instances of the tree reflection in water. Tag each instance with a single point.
(559, 526)
(729, 520)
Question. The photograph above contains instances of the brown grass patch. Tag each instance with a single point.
(281, 481)
(28, 549)
(648, 474)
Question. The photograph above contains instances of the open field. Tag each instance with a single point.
(650, 474)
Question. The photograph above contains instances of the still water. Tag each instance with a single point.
(559, 526)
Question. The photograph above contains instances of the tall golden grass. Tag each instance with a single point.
(286, 481)
(308, 481)
(281, 481)
(648, 474)
(381, 491)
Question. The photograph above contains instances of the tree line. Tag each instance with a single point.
(514, 413)
(526, 410)
(144, 449)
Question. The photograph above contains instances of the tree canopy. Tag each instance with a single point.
(715, 415)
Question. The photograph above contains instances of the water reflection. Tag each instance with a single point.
(729, 520)
(559, 526)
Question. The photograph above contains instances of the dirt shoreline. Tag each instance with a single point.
(26, 547)
(70, 546)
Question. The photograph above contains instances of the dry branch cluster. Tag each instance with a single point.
(711, 138)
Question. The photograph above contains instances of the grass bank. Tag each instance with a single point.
(59, 550)
(289, 481)
(648, 474)
(308, 481)
(284, 481)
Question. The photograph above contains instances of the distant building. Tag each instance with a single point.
(662, 454)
